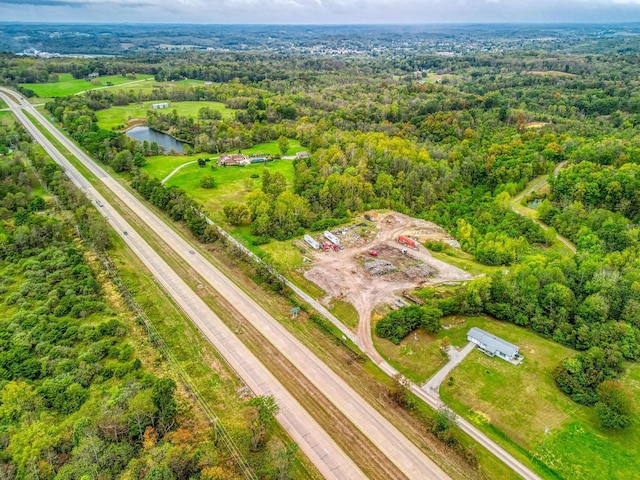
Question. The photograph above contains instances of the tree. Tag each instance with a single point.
(261, 412)
(236, 213)
(430, 320)
(122, 161)
(273, 184)
(282, 455)
(141, 413)
(160, 472)
(207, 181)
(139, 160)
(442, 425)
(283, 145)
(615, 407)
(162, 395)
(401, 393)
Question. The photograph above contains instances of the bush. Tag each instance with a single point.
(207, 181)
(615, 406)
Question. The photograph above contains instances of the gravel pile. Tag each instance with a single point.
(421, 271)
(379, 267)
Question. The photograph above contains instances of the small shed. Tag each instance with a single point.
(155, 106)
(493, 346)
(302, 155)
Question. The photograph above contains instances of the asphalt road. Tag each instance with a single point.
(330, 460)
(402, 452)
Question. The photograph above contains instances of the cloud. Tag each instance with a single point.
(322, 11)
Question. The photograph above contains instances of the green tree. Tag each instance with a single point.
(162, 395)
(160, 472)
(615, 408)
(283, 145)
(236, 213)
(207, 181)
(139, 160)
(122, 161)
(261, 413)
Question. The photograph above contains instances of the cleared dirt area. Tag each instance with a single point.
(365, 279)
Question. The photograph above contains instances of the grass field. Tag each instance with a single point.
(2, 104)
(116, 117)
(464, 260)
(67, 85)
(230, 182)
(417, 356)
(515, 404)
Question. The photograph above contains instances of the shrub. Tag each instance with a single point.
(207, 181)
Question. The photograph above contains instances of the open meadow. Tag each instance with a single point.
(67, 85)
(116, 117)
(232, 183)
(518, 404)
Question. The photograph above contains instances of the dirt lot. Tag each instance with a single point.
(344, 274)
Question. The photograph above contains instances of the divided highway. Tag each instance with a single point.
(332, 462)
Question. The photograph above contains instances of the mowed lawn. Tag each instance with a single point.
(116, 117)
(417, 356)
(67, 85)
(522, 402)
(233, 184)
(161, 165)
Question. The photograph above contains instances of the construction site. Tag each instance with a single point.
(378, 260)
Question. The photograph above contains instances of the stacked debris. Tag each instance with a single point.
(379, 267)
(421, 270)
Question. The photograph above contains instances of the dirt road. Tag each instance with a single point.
(341, 274)
(537, 184)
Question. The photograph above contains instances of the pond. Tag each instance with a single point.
(162, 139)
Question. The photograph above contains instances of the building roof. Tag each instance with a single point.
(493, 343)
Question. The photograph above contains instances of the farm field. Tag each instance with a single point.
(117, 117)
(520, 402)
(67, 85)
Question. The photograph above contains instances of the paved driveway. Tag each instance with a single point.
(432, 386)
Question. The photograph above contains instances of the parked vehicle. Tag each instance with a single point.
(408, 241)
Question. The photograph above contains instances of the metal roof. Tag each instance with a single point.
(493, 344)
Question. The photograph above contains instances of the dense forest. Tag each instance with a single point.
(451, 139)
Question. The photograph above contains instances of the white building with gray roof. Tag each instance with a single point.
(494, 346)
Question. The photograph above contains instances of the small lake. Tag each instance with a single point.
(162, 139)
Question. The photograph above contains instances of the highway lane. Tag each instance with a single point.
(402, 452)
(330, 460)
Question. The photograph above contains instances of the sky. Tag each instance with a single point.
(319, 11)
